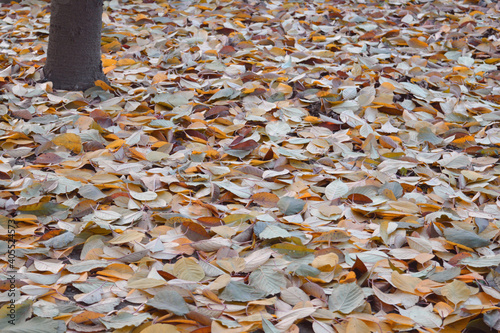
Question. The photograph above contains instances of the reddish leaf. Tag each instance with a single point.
(457, 257)
(196, 134)
(359, 199)
(48, 158)
(166, 276)
(246, 145)
(228, 49)
(83, 208)
(23, 114)
(217, 111)
(194, 231)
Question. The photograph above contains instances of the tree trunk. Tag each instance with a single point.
(74, 51)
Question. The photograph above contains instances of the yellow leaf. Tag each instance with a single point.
(284, 88)
(188, 269)
(404, 206)
(417, 43)
(326, 262)
(116, 144)
(318, 39)
(113, 46)
(108, 62)
(221, 282)
(141, 17)
(357, 326)
(146, 283)
(159, 77)
(126, 62)
(397, 318)
(276, 51)
(70, 141)
(119, 271)
(405, 283)
(127, 236)
(456, 291)
(232, 264)
(239, 24)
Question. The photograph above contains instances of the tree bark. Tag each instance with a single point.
(74, 51)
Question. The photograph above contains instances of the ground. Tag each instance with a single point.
(285, 166)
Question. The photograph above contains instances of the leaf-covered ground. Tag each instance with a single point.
(328, 165)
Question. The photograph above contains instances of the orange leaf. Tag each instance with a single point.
(318, 39)
(50, 234)
(160, 77)
(175, 221)
(239, 24)
(103, 85)
(86, 316)
(266, 199)
(108, 69)
(209, 221)
(108, 62)
(113, 46)
(387, 142)
(349, 278)
(126, 62)
(417, 43)
(70, 141)
(457, 257)
(397, 318)
(119, 271)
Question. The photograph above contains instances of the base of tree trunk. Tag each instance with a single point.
(64, 80)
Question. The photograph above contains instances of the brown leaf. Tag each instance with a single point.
(217, 111)
(92, 146)
(313, 289)
(83, 208)
(227, 50)
(194, 231)
(265, 199)
(358, 198)
(245, 145)
(48, 158)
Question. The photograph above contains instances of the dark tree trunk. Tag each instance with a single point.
(74, 52)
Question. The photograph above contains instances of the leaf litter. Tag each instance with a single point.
(257, 165)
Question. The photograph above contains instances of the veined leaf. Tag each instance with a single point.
(346, 297)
